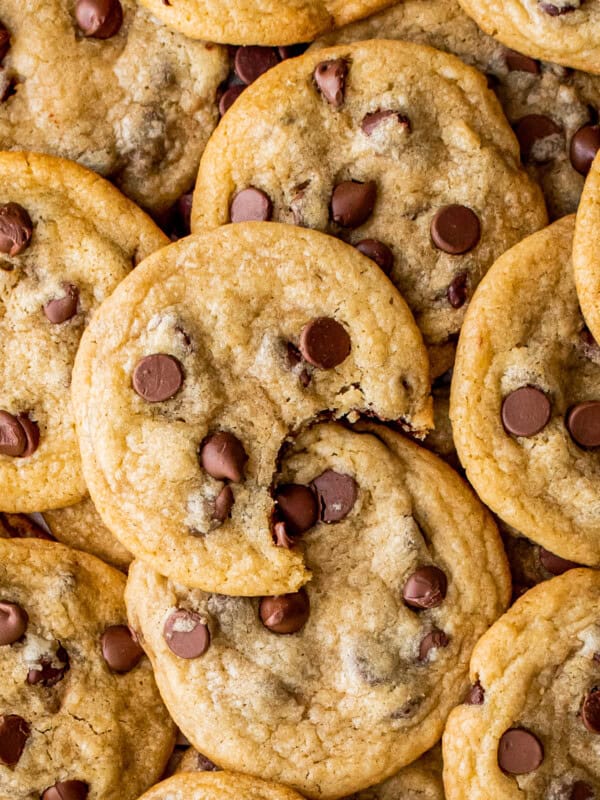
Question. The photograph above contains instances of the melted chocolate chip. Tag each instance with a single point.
(186, 634)
(352, 203)
(120, 648)
(455, 229)
(251, 205)
(425, 588)
(286, 613)
(49, 671)
(378, 252)
(13, 622)
(14, 732)
(223, 504)
(330, 77)
(336, 494)
(519, 751)
(16, 229)
(157, 377)
(223, 456)
(63, 308)
(373, 120)
(19, 436)
(457, 291)
(297, 505)
(531, 132)
(100, 19)
(517, 62)
(67, 790)
(432, 641)
(581, 791)
(526, 411)
(590, 710)
(475, 695)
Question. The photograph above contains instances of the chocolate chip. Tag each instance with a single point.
(375, 118)
(229, 97)
(4, 42)
(583, 423)
(223, 456)
(100, 19)
(67, 790)
(19, 436)
(519, 751)
(337, 495)
(251, 205)
(63, 308)
(590, 710)
(455, 229)
(352, 203)
(475, 695)
(581, 791)
(32, 435)
(556, 11)
(19, 526)
(157, 377)
(425, 588)
(285, 613)
(49, 671)
(517, 62)
(325, 343)
(204, 764)
(186, 634)
(531, 131)
(297, 505)
(251, 62)
(330, 77)
(526, 411)
(432, 641)
(13, 622)
(457, 291)
(584, 146)
(378, 252)
(223, 504)
(16, 229)
(120, 648)
(555, 565)
(291, 50)
(281, 538)
(14, 732)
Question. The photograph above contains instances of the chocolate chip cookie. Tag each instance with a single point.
(586, 259)
(553, 110)
(219, 786)
(80, 714)
(208, 370)
(260, 22)
(407, 572)
(67, 238)
(564, 31)
(80, 526)
(529, 725)
(525, 398)
(400, 150)
(104, 83)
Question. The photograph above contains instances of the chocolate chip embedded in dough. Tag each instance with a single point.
(223, 456)
(425, 588)
(325, 343)
(186, 634)
(330, 77)
(285, 614)
(99, 19)
(519, 751)
(526, 411)
(13, 622)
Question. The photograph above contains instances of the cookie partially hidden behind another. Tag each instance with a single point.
(586, 250)
(220, 786)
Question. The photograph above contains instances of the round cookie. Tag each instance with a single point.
(67, 238)
(79, 708)
(293, 688)
(260, 22)
(247, 333)
(398, 149)
(586, 260)
(530, 726)
(524, 398)
(80, 526)
(564, 31)
(553, 110)
(219, 786)
(129, 99)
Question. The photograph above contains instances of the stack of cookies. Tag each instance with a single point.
(299, 399)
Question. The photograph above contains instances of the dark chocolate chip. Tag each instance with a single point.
(100, 19)
(337, 495)
(432, 641)
(223, 504)
(378, 252)
(63, 308)
(583, 423)
(286, 613)
(584, 146)
(186, 634)
(325, 343)
(16, 229)
(581, 791)
(67, 790)
(455, 229)
(158, 377)
(590, 710)
(223, 456)
(229, 97)
(297, 506)
(352, 203)
(251, 205)
(49, 671)
(519, 751)
(375, 118)
(252, 61)
(530, 131)
(517, 62)
(14, 732)
(457, 291)
(526, 411)
(425, 588)
(330, 77)
(555, 565)
(120, 648)
(475, 695)
(13, 622)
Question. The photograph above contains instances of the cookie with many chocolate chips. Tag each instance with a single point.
(219, 786)
(104, 83)
(260, 22)
(553, 110)
(564, 31)
(67, 238)
(398, 149)
(530, 725)
(586, 254)
(80, 714)
(207, 370)
(80, 526)
(407, 572)
(526, 396)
